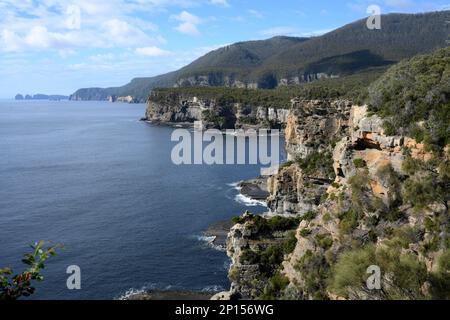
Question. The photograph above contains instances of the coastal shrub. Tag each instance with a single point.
(241, 219)
(349, 221)
(249, 256)
(360, 191)
(274, 289)
(392, 180)
(309, 216)
(335, 185)
(314, 271)
(263, 226)
(416, 91)
(270, 258)
(350, 270)
(420, 191)
(359, 163)
(440, 280)
(13, 287)
(327, 217)
(305, 232)
(393, 215)
(290, 243)
(428, 181)
(318, 163)
(324, 241)
(406, 272)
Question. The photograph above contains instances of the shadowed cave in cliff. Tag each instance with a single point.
(366, 143)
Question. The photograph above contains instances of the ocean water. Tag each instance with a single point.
(91, 176)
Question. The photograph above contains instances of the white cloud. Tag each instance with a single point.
(188, 23)
(152, 52)
(221, 2)
(9, 41)
(256, 13)
(61, 26)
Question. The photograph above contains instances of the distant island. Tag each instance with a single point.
(54, 97)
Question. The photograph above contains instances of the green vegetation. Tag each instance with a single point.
(409, 274)
(305, 232)
(318, 163)
(309, 216)
(349, 221)
(352, 87)
(276, 285)
(324, 241)
(427, 182)
(263, 226)
(440, 280)
(414, 99)
(314, 270)
(270, 259)
(13, 287)
(359, 163)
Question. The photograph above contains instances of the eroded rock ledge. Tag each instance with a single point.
(185, 109)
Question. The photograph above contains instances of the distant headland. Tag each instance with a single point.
(55, 97)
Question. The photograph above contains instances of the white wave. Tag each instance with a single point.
(207, 239)
(131, 292)
(249, 202)
(213, 289)
(235, 185)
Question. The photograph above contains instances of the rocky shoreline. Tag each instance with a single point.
(255, 189)
(171, 296)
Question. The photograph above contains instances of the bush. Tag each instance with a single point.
(290, 243)
(309, 216)
(349, 221)
(276, 285)
(305, 232)
(440, 280)
(324, 241)
(20, 285)
(350, 270)
(262, 225)
(314, 271)
(359, 163)
(415, 91)
(271, 258)
(318, 163)
(420, 191)
(407, 274)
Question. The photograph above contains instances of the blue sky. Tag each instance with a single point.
(58, 46)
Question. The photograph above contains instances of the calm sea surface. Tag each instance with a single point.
(91, 176)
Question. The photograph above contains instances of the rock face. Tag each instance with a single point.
(313, 124)
(268, 82)
(311, 127)
(350, 211)
(187, 109)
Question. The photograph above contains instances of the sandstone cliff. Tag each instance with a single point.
(355, 192)
(178, 108)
